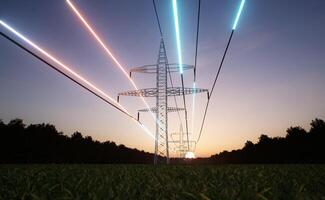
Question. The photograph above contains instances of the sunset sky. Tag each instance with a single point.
(273, 76)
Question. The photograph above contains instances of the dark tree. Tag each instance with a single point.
(42, 143)
(299, 146)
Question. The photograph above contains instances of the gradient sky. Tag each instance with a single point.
(273, 77)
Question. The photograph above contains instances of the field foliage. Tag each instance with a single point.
(162, 182)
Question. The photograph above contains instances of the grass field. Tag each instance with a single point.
(162, 182)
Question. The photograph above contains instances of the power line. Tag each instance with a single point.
(107, 51)
(157, 17)
(195, 62)
(221, 63)
(178, 42)
(185, 111)
(197, 38)
(64, 74)
(77, 82)
(214, 83)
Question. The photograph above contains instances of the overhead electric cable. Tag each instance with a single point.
(65, 67)
(220, 66)
(197, 38)
(195, 63)
(157, 17)
(180, 60)
(64, 74)
(109, 52)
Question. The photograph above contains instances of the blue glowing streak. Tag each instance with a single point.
(238, 14)
(178, 40)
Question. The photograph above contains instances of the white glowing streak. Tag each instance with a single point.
(70, 71)
(238, 14)
(178, 40)
(147, 130)
(60, 63)
(110, 54)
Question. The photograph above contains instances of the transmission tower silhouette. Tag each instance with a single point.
(161, 92)
(181, 144)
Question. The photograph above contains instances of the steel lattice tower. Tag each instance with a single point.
(161, 92)
(161, 144)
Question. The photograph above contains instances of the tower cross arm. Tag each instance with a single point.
(169, 109)
(171, 91)
(152, 69)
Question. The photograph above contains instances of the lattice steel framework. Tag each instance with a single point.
(153, 92)
(169, 109)
(180, 143)
(161, 92)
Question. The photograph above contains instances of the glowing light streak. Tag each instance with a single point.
(65, 67)
(220, 66)
(59, 63)
(238, 14)
(178, 40)
(109, 52)
(146, 130)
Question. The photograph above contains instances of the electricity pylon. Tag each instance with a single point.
(181, 145)
(161, 92)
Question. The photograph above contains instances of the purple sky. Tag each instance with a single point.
(273, 77)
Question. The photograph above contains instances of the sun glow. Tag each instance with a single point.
(189, 155)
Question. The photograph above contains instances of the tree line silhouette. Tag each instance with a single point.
(42, 143)
(298, 146)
